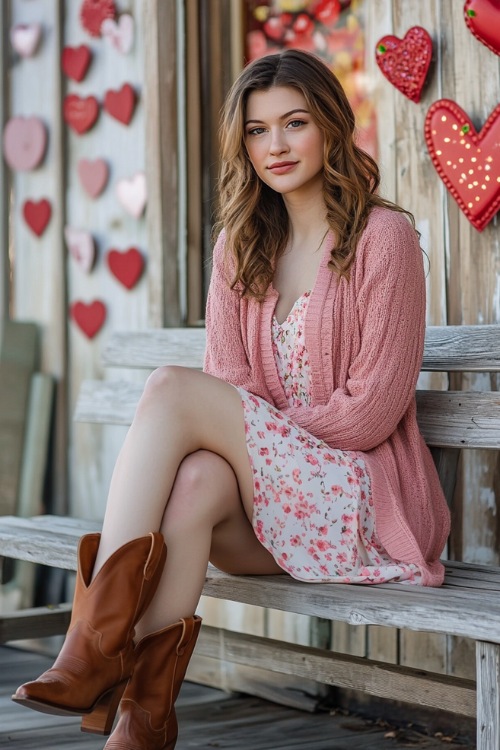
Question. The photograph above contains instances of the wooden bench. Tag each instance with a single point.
(468, 604)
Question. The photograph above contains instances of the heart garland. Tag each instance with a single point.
(88, 317)
(405, 62)
(24, 143)
(127, 267)
(75, 61)
(483, 20)
(121, 104)
(37, 215)
(79, 113)
(467, 162)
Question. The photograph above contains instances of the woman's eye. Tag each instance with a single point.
(296, 123)
(255, 131)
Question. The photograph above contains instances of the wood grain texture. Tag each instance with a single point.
(488, 695)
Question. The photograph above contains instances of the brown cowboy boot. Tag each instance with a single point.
(147, 714)
(97, 657)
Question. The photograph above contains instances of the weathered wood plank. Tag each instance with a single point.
(447, 348)
(446, 609)
(488, 695)
(341, 670)
(38, 622)
(450, 419)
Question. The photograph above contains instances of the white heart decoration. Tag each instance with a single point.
(132, 194)
(119, 33)
(25, 38)
(81, 247)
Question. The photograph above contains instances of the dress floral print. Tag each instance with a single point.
(313, 509)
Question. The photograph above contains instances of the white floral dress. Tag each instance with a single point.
(313, 509)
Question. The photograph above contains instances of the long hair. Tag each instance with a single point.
(253, 215)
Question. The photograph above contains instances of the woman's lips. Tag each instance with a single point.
(282, 167)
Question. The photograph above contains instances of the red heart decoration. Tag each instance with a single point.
(483, 19)
(405, 62)
(75, 61)
(89, 317)
(121, 104)
(37, 215)
(127, 267)
(80, 114)
(93, 13)
(93, 175)
(468, 162)
(24, 142)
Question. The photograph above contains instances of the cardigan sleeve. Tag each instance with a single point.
(382, 376)
(225, 355)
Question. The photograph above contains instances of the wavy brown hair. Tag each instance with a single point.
(253, 215)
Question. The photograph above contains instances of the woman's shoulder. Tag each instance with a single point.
(386, 221)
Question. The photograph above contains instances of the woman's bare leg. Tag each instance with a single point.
(181, 411)
(204, 519)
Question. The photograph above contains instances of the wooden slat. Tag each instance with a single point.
(38, 622)
(449, 609)
(447, 348)
(342, 670)
(447, 419)
(488, 695)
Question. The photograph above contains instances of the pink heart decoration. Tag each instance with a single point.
(89, 317)
(132, 194)
(93, 175)
(25, 38)
(37, 215)
(127, 267)
(405, 62)
(468, 162)
(24, 142)
(81, 247)
(483, 19)
(119, 33)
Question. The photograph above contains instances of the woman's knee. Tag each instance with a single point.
(202, 491)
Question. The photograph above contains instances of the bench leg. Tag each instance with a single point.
(488, 695)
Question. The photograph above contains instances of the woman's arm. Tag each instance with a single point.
(382, 376)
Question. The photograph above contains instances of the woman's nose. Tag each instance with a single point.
(278, 143)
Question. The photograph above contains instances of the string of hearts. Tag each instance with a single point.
(467, 161)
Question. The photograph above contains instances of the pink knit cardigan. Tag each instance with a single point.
(365, 341)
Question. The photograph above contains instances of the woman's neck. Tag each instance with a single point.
(307, 221)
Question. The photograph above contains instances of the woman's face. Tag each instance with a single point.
(283, 142)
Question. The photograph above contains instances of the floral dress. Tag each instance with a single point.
(313, 509)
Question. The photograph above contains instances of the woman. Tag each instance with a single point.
(297, 450)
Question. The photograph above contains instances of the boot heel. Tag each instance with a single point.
(100, 719)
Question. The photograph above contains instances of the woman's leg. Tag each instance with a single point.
(181, 411)
(204, 519)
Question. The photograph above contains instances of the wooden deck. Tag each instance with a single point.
(208, 719)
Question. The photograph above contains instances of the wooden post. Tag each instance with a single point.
(160, 102)
(4, 176)
(488, 695)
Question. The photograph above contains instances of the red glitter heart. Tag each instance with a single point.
(483, 19)
(405, 62)
(94, 12)
(75, 61)
(468, 162)
(89, 318)
(37, 215)
(80, 114)
(127, 267)
(121, 104)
